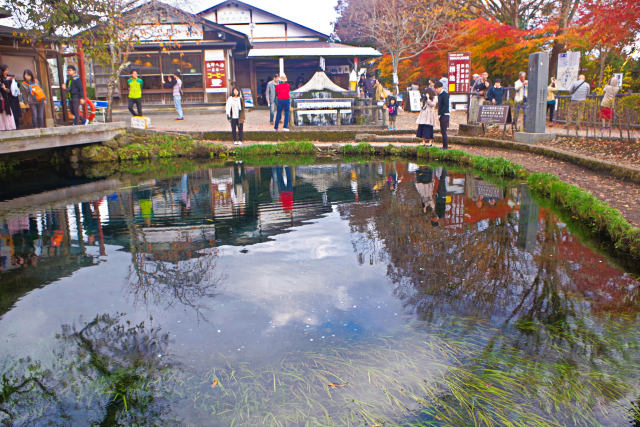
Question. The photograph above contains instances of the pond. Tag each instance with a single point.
(376, 293)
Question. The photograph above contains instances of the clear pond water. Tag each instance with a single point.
(382, 293)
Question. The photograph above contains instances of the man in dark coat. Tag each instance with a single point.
(443, 113)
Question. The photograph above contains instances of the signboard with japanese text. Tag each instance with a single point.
(414, 100)
(459, 72)
(494, 114)
(568, 69)
(216, 75)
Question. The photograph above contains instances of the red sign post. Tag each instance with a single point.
(216, 72)
(459, 72)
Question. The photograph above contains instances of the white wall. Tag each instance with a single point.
(264, 27)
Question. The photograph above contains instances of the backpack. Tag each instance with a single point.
(37, 92)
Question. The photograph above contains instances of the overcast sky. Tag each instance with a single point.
(316, 14)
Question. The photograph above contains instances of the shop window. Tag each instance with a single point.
(188, 64)
(149, 82)
(146, 64)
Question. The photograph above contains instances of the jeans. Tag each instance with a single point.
(37, 114)
(551, 106)
(75, 110)
(235, 123)
(283, 104)
(177, 102)
(138, 104)
(272, 110)
(444, 124)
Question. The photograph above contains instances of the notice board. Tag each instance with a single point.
(459, 69)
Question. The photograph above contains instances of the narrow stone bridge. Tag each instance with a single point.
(18, 141)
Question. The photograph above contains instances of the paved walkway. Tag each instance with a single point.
(212, 120)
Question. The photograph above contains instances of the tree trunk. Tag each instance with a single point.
(109, 116)
(394, 61)
(556, 50)
(603, 60)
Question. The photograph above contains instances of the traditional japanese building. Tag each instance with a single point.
(230, 44)
(279, 45)
(171, 40)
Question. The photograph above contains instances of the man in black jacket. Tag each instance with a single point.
(73, 88)
(443, 113)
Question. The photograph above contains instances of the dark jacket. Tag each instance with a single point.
(496, 93)
(443, 103)
(74, 88)
(393, 109)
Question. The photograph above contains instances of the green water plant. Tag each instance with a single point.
(587, 209)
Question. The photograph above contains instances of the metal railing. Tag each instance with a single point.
(591, 112)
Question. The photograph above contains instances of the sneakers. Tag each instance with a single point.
(180, 118)
(237, 142)
(285, 129)
(86, 121)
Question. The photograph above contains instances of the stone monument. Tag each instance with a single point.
(538, 76)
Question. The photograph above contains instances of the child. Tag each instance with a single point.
(236, 115)
(135, 93)
(393, 113)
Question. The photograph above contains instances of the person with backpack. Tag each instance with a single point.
(579, 91)
(135, 93)
(175, 83)
(73, 89)
(34, 97)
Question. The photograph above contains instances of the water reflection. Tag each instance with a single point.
(431, 294)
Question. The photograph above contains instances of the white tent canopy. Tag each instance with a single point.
(320, 81)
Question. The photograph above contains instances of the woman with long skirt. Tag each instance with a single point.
(427, 118)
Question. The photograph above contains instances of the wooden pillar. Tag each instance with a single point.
(253, 81)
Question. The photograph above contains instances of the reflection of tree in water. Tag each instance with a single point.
(186, 275)
(564, 346)
(108, 372)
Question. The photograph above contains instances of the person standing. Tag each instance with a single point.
(270, 95)
(443, 113)
(608, 100)
(445, 82)
(33, 96)
(369, 89)
(283, 95)
(520, 99)
(6, 116)
(175, 83)
(135, 93)
(579, 91)
(74, 91)
(361, 91)
(236, 115)
(427, 118)
(393, 113)
(496, 93)
(14, 98)
(478, 92)
(551, 98)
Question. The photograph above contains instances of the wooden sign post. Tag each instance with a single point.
(494, 115)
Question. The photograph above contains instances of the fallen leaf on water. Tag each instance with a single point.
(333, 385)
(214, 383)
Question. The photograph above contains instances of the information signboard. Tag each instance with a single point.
(619, 76)
(414, 100)
(459, 72)
(568, 69)
(494, 114)
(216, 72)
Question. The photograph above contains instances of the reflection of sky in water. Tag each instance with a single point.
(301, 289)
